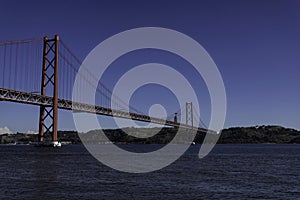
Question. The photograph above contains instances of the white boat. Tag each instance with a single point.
(56, 144)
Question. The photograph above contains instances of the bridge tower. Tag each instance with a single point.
(189, 114)
(49, 86)
(176, 118)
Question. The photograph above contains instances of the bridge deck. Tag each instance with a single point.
(36, 99)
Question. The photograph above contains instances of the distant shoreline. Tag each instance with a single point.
(235, 135)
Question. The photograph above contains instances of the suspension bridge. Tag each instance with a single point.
(42, 72)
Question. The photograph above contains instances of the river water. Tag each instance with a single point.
(230, 171)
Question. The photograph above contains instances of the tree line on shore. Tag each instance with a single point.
(236, 135)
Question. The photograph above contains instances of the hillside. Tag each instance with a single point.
(236, 135)
(260, 134)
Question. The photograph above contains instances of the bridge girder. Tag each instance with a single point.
(36, 99)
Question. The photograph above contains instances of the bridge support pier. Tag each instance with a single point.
(49, 114)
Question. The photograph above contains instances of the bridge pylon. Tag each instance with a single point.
(49, 86)
(189, 114)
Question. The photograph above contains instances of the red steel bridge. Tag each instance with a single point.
(42, 71)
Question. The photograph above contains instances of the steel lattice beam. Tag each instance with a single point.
(36, 99)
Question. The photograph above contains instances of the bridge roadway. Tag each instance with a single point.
(36, 99)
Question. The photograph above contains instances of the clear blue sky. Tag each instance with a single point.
(255, 44)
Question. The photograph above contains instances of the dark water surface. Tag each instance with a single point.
(230, 171)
